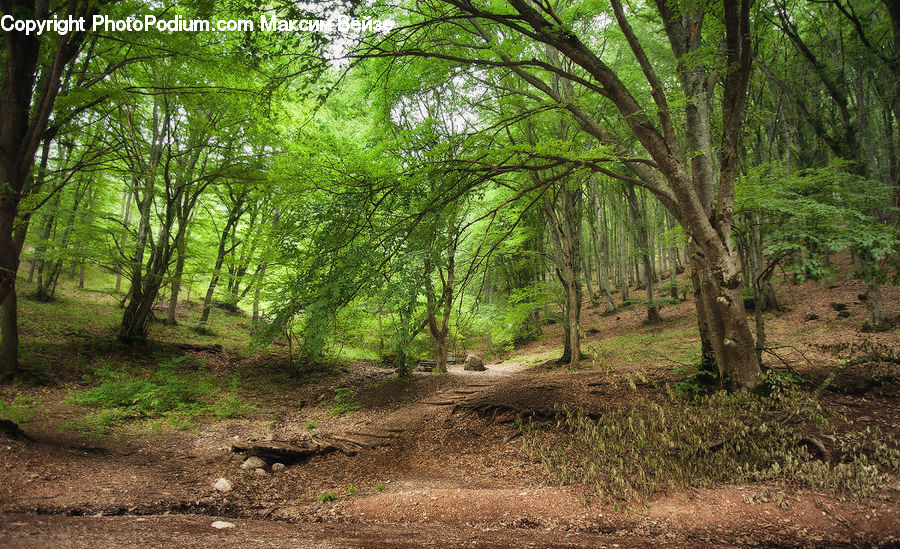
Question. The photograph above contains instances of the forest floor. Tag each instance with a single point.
(437, 461)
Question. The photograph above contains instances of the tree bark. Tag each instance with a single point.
(9, 332)
(180, 249)
(236, 210)
(565, 227)
(643, 244)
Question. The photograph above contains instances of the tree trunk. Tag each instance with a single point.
(722, 307)
(180, 248)
(9, 332)
(643, 245)
(126, 217)
(601, 247)
(565, 228)
(875, 306)
(233, 217)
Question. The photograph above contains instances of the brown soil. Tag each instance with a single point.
(444, 449)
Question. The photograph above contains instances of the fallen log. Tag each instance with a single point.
(293, 452)
(284, 451)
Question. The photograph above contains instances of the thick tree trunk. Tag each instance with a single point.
(707, 354)
(722, 307)
(9, 336)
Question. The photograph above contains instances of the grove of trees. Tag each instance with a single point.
(477, 171)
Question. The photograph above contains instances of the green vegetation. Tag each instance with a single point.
(327, 497)
(343, 402)
(629, 189)
(631, 454)
(21, 409)
(173, 392)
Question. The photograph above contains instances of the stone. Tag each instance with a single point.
(277, 467)
(220, 524)
(253, 462)
(222, 485)
(260, 472)
(474, 364)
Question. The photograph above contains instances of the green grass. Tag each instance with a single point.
(379, 487)
(177, 391)
(92, 316)
(356, 353)
(20, 409)
(648, 346)
(327, 497)
(343, 402)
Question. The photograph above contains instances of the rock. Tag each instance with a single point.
(260, 472)
(474, 364)
(220, 524)
(277, 467)
(222, 485)
(253, 462)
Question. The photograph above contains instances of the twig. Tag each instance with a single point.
(786, 365)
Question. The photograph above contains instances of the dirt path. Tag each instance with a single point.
(435, 464)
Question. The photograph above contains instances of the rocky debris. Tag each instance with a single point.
(474, 364)
(222, 485)
(253, 462)
(260, 472)
(220, 524)
(277, 467)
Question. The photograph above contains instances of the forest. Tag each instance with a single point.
(446, 273)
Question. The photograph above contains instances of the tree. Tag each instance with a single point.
(32, 76)
(677, 169)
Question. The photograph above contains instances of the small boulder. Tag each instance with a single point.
(277, 467)
(222, 485)
(220, 524)
(253, 462)
(474, 364)
(260, 472)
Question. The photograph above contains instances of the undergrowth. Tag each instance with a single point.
(344, 402)
(173, 393)
(630, 454)
(21, 409)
